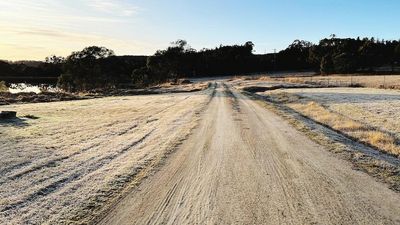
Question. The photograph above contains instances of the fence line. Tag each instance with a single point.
(349, 81)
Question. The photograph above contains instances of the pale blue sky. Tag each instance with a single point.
(33, 29)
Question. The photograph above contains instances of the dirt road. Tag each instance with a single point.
(245, 165)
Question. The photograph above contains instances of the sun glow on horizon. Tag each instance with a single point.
(34, 30)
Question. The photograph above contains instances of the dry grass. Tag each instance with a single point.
(285, 97)
(381, 140)
(169, 87)
(265, 78)
(376, 138)
(348, 126)
(3, 87)
(372, 107)
(338, 80)
(375, 81)
(294, 80)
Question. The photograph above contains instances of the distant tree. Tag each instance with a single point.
(90, 54)
(83, 70)
(249, 46)
(170, 63)
(5, 69)
(95, 67)
(140, 77)
(327, 65)
(342, 63)
(296, 56)
(52, 67)
(53, 59)
(397, 53)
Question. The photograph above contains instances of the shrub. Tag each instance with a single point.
(3, 87)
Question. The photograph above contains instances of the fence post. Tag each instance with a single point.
(351, 80)
(384, 81)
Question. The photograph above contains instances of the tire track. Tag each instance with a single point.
(268, 173)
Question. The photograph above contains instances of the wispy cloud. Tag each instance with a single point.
(52, 34)
(25, 42)
(118, 8)
(77, 11)
(34, 29)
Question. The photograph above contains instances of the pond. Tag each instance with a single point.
(24, 87)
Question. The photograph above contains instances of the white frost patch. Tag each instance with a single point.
(78, 153)
(375, 107)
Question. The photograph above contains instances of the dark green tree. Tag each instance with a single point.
(83, 70)
(327, 65)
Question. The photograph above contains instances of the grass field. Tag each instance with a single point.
(62, 161)
(373, 81)
(369, 115)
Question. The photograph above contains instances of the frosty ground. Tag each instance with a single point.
(211, 156)
(61, 160)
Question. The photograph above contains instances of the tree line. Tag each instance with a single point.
(337, 55)
(98, 67)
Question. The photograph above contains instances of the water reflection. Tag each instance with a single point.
(23, 87)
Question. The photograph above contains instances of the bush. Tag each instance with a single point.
(65, 82)
(85, 70)
(327, 65)
(3, 87)
(140, 77)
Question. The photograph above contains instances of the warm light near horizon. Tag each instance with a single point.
(33, 30)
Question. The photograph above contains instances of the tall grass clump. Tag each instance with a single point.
(381, 140)
(3, 87)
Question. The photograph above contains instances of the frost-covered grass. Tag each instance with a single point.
(374, 107)
(371, 81)
(65, 161)
(369, 115)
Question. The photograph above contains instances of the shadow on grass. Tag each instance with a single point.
(14, 122)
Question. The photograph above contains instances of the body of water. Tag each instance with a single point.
(23, 88)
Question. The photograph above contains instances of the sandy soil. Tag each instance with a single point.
(245, 165)
(74, 157)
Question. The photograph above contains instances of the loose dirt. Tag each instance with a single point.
(246, 165)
